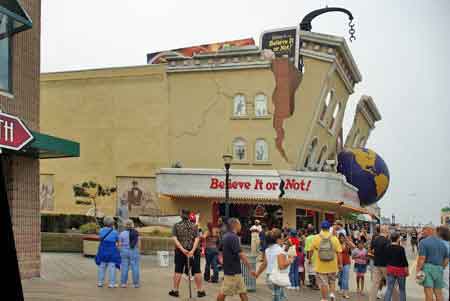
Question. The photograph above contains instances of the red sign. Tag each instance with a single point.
(13, 132)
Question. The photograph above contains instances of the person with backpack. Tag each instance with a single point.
(328, 262)
(129, 253)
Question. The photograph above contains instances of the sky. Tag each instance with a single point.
(402, 50)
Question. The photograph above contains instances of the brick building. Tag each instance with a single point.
(19, 96)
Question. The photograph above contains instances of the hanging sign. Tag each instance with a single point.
(14, 134)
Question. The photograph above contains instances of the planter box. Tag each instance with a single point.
(90, 245)
(61, 242)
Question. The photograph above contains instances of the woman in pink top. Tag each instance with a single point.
(360, 256)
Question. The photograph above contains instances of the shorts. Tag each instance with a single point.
(233, 285)
(181, 262)
(325, 279)
(360, 269)
(434, 276)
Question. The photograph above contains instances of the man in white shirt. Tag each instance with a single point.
(338, 228)
(255, 230)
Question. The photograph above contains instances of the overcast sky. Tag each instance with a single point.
(402, 50)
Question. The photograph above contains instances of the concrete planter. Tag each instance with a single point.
(90, 245)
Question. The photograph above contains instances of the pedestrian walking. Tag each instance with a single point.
(233, 283)
(301, 265)
(293, 269)
(108, 256)
(414, 240)
(378, 248)
(360, 256)
(211, 238)
(433, 258)
(129, 254)
(338, 228)
(328, 262)
(397, 268)
(444, 234)
(275, 262)
(310, 259)
(186, 238)
(344, 274)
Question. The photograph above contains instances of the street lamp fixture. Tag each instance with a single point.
(227, 158)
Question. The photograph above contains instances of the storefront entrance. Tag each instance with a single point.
(269, 215)
(304, 217)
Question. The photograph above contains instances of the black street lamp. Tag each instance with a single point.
(227, 158)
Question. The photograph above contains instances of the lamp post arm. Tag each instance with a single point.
(306, 22)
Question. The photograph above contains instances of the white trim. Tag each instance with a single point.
(7, 94)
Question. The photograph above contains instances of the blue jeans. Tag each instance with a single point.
(130, 259)
(391, 280)
(211, 256)
(102, 268)
(344, 277)
(278, 293)
(293, 273)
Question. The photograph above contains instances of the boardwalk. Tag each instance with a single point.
(73, 277)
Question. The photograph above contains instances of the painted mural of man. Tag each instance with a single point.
(134, 195)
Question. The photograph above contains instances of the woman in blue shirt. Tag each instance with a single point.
(129, 253)
(108, 257)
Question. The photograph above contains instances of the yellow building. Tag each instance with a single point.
(363, 123)
(134, 123)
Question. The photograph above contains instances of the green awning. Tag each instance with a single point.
(17, 15)
(45, 147)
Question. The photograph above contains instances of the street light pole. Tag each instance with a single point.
(227, 158)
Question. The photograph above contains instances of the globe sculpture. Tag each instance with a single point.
(367, 171)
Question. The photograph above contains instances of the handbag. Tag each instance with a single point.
(279, 277)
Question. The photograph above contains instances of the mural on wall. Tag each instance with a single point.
(47, 192)
(136, 196)
(88, 194)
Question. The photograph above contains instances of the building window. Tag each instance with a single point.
(362, 142)
(239, 106)
(239, 149)
(325, 105)
(261, 105)
(321, 155)
(310, 153)
(356, 139)
(335, 115)
(261, 150)
(5, 54)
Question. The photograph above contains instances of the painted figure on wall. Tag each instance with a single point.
(136, 196)
(47, 192)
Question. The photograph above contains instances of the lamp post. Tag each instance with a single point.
(227, 158)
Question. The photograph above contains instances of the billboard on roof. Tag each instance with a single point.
(161, 56)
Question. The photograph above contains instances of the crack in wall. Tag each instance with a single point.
(213, 102)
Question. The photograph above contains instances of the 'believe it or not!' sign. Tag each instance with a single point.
(14, 134)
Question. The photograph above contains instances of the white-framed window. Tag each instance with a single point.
(240, 149)
(261, 150)
(333, 122)
(261, 105)
(310, 153)
(356, 139)
(5, 53)
(326, 104)
(321, 156)
(239, 106)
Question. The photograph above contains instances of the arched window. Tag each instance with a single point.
(261, 150)
(261, 105)
(325, 105)
(239, 149)
(239, 105)
(362, 142)
(335, 115)
(310, 153)
(356, 139)
(321, 155)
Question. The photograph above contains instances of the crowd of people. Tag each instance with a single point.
(289, 258)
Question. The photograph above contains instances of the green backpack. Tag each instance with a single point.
(326, 250)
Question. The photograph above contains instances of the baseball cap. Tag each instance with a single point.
(325, 225)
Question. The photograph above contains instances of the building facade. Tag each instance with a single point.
(135, 123)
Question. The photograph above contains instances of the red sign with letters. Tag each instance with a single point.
(14, 134)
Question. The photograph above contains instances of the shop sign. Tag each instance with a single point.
(282, 41)
(261, 185)
(14, 134)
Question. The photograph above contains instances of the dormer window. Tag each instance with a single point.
(239, 106)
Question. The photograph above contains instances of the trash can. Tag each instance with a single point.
(163, 257)
(250, 282)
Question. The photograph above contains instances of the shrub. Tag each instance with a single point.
(89, 228)
(60, 223)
